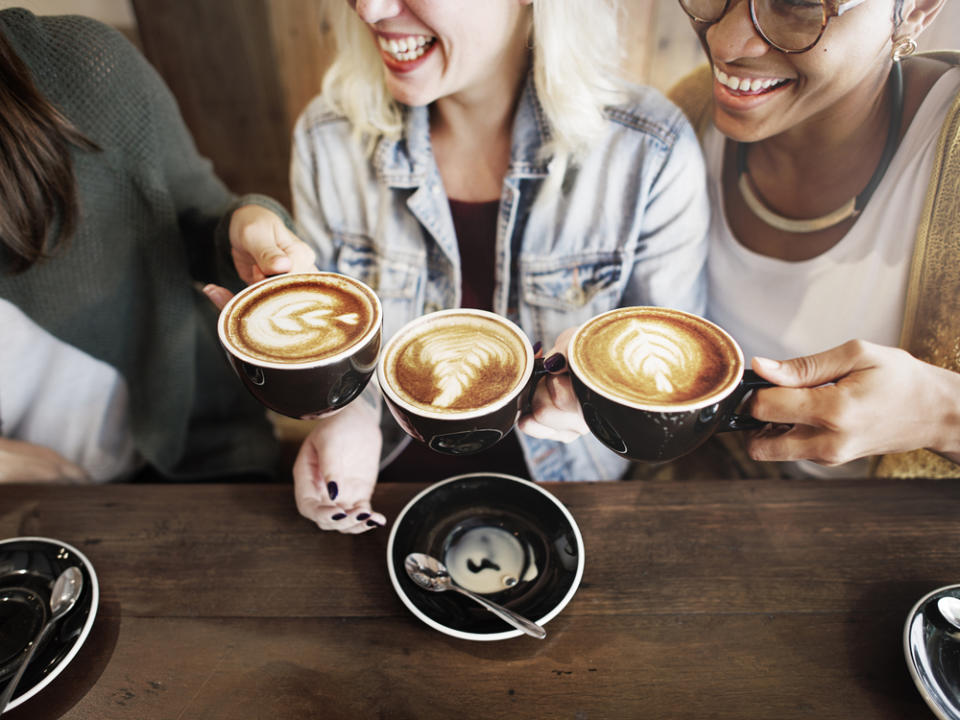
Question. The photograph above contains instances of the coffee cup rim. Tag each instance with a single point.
(699, 404)
(432, 415)
(375, 326)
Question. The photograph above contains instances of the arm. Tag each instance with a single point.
(336, 470)
(856, 400)
(25, 462)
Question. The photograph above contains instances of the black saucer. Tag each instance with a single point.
(28, 568)
(541, 525)
(932, 649)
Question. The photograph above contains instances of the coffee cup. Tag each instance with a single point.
(458, 379)
(654, 383)
(303, 344)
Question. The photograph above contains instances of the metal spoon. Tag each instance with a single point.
(66, 590)
(431, 574)
(949, 608)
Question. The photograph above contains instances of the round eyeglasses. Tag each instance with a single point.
(791, 26)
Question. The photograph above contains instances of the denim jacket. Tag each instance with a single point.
(626, 226)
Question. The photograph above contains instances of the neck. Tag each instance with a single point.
(846, 137)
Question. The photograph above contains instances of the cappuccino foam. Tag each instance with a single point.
(455, 363)
(656, 357)
(300, 318)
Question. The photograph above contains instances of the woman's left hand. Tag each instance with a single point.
(262, 245)
(855, 400)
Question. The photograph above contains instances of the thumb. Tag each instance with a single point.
(811, 370)
(219, 296)
(272, 260)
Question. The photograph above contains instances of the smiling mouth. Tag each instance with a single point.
(406, 49)
(748, 86)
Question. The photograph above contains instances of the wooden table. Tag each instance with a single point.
(711, 599)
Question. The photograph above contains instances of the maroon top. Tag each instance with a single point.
(476, 226)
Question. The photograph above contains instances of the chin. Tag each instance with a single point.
(736, 128)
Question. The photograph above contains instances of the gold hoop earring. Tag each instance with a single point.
(903, 48)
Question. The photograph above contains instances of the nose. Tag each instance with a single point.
(373, 11)
(734, 36)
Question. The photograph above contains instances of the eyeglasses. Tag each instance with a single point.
(791, 26)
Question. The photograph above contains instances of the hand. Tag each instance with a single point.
(555, 413)
(336, 470)
(262, 245)
(855, 400)
(25, 462)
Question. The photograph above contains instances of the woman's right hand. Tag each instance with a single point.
(25, 462)
(336, 470)
(555, 413)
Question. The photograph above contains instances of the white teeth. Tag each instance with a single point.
(408, 48)
(745, 84)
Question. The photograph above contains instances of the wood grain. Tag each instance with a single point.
(711, 599)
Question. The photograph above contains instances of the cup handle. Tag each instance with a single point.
(743, 421)
(535, 377)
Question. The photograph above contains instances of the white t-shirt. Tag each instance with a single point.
(856, 289)
(53, 394)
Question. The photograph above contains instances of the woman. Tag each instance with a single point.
(821, 140)
(832, 167)
(110, 364)
(483, 154)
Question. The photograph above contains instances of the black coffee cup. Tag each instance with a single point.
(655, 383)
(305, 345)
(457, 380)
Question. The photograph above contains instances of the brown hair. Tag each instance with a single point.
(37, 187)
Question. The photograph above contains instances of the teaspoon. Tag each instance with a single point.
(949, 608)
(431, 574)
(66, 590)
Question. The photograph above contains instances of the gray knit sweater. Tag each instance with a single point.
(122, 288)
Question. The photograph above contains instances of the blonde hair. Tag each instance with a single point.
(576, 61)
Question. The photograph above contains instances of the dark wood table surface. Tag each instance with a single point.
(707, 599)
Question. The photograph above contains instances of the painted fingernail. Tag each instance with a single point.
(363, 516)
(374, 523)
(338, 516)
(555, 363)
(537, 347)
(332, 490)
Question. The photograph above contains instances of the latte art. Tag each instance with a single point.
(652, 357)
(455, 363)
(300, 319)
(656, 357)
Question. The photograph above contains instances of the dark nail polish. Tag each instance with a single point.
(338, 516)
(373, 523)
(555, 363)
(537, 347)
(363, 516)
(332, 490)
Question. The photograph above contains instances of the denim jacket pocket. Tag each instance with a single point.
(572, 284)
(560, 293)
(392, 278)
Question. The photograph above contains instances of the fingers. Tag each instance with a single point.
(219, 296)
(801, 442)
(327, 501)
(262, 245)
(817, 369)
(555, 413)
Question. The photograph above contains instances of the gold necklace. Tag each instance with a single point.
(853, 207)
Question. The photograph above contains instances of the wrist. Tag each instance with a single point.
(947, 422)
